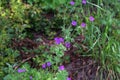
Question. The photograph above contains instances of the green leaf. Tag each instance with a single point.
(49, 78)
(62, 1)
(118, 69)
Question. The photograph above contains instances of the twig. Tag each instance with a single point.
(23, 61)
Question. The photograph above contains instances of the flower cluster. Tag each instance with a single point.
(72, 2)
(58, 40)
(21, 70)
(83, 24)
(45, 65)
(84, 2)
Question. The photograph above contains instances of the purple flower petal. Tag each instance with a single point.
(84, 2)
(74, 23)
(61, 67)
(72, 3)
(91, 18)
(67, 44)
(31, 78)
(83, 24)
(48, 64)
(43, 66)
(21, 70)
(68, 78)
(59, 40)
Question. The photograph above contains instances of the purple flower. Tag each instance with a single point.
(58, 40)
(61, 67)
(74, 23)
(31, 78)
(84, 2)
(43, 66)
(61, 39)
(67, 44)
(83, 24)
(48, 64)
(68, 78)
(91, 18)
(21, 70)
(72, 3)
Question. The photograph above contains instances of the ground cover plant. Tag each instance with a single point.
(59, 40)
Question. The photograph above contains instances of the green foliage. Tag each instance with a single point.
(19, 19)
(26, 75)
(36, 74)
(54, 55)
(47, 4)
(58, 50)
(53, 3)
(11, 25)
(61, 75)
(8, 56)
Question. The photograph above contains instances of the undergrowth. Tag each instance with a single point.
(61, 22)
